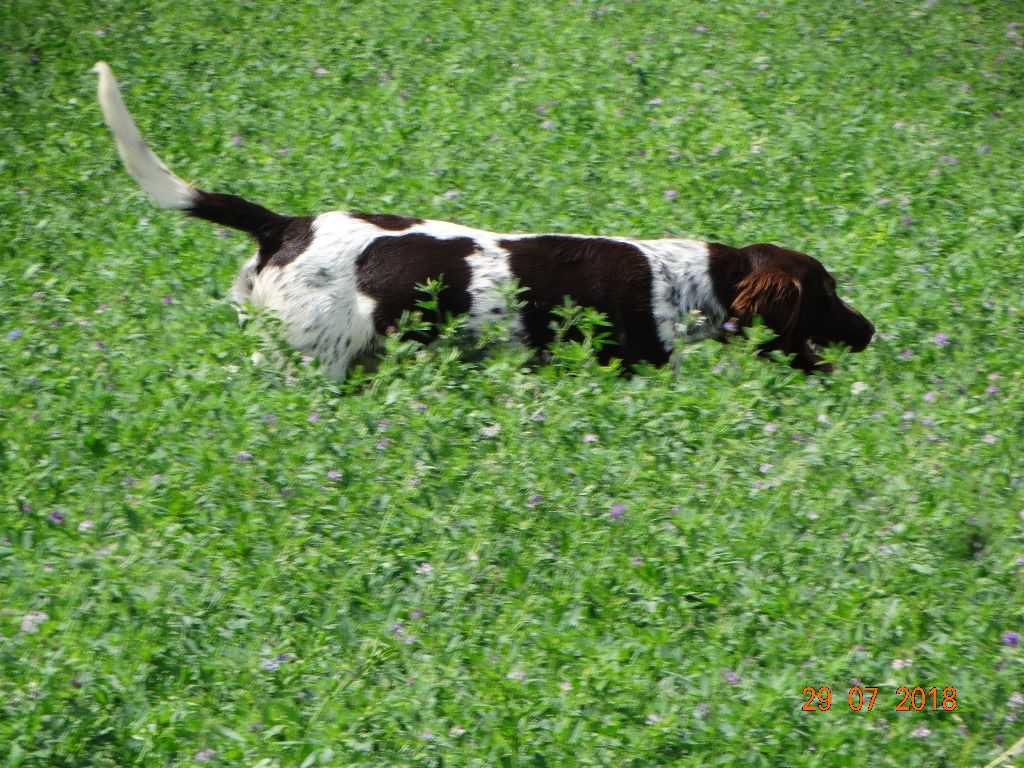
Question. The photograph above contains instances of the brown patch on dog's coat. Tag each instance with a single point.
(611, 276)
(388, 221)
(390, 267)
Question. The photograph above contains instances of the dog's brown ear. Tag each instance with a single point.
(772, 294)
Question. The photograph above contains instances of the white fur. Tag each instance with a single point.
(682, 286)
(145, 167)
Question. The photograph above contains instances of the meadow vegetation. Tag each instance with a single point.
(463, 559)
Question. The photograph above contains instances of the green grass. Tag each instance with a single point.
(779, 532)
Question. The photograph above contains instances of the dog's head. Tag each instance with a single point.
(794, 295)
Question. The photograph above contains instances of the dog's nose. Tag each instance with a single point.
(867, 331)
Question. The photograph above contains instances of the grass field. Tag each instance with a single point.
(461, 562)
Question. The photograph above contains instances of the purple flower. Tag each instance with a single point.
(991, 389)
(16, 334)
(770, 427)
(906, 221)
(424, 569)
(30, 621)
(451, 194)
(456, 730)
(86, 525)
(656, 102)
(589, 438)
(270, 665)
(638, 561)
(313, 418)
(730, 326)
(985, 149)
(205, 755)
(730, 677)
(700, 29)
(652, 719)
(884, 201)
(516, 675)
(236, 139)
(885, 549)
(427, 736)
(284, 657)
(928, 397)
(921, 732)
(948, 159)
(319, 71)
(940, 340)
(243, 456)
(383, 426)
(333, 474)
(618, 510)
(382, 444)
(716, 150)
(671, 194)
(988, 439)
(417, 614)
(284, 151)
(419, 407)
(167, 300)
(905, 354)
(534, 500)
(547, 125)
(57, 518)
(1011, 639)
(765, 468)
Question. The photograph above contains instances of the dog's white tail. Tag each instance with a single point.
(145, 167)
(266, 227)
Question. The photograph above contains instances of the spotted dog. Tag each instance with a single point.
(339, 280)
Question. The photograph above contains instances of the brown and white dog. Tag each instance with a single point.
(339, 280)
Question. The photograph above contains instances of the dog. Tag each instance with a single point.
(340, 280)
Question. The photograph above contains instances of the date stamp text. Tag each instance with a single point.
(918, 699)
